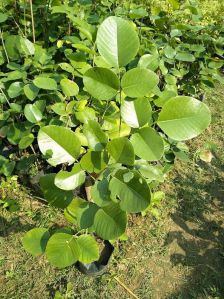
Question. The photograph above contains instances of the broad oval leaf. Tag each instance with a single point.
(136, 113)
(69, 87)
(33, 113)
(70, 180)
(3, 17)
(81, 212)
(45, 83)
(31, 91)
(121, 150)
(11, 45)
(110, 222)
(100, 193)
(97, 139)
(101, 83)
(60, 144)
(35, 241)
(148, 144)
(117, 41)
(26, 141)
(15, 89)
(26, 47)
(62, 250)
(132, 190)
(184, 56)
(55, 196)
(149, 172)
(169, 52)
(138, 82)
(89, 249)
(183, 118)
(94, 162)
(149, 61)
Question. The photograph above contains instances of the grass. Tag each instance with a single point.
(178, 256)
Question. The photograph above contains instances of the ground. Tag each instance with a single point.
(180, 255)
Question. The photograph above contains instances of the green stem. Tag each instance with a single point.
(3, 44)
(120, 103)
(24, 16)
(5, 96)
(32, 19)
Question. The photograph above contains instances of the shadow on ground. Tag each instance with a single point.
(13, 226)
(199, 232)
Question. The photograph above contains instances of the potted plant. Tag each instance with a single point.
(117, 137)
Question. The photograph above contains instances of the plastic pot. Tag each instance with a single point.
(100, 266)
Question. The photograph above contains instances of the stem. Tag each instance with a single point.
(18, 26)
(32, 18)
(94, 48)
(120, 103)
(3, 44)
(33, 150)
(24, 16)
(105, 110)
(126, 288)
(5, 96)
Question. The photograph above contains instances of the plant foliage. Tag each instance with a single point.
(102, 93)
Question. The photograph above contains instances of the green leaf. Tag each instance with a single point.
(148, 144)
(55, 196)
(175, 32)
(26, 47)
(81, 212)
(69, 87)
(60, 144)
(62, 250)
(11, 45)
(110, 222)
(32, 112)
(45, 83)
(164, 97)
(70, 180)
(35, 241)
(183, 56)
(132, 190)
(66, 67)
(100, 193)
(136, 113)
(174, 3)
(151, 173)
(97, 139)
(118, 130)
(187, 120)
(85, 115)
(7, 167)
(15, 132)
(3, 17)
(59, 108)
(121, 150)
(89, 249)
(138, 13)
(31, 91)
(94, 162)
(101, 83)
(117, 41)
(15, 89)
(26, 141)
(169, 52)
(149, 61)
(138, 82)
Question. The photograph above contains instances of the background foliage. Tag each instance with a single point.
(59, 70)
